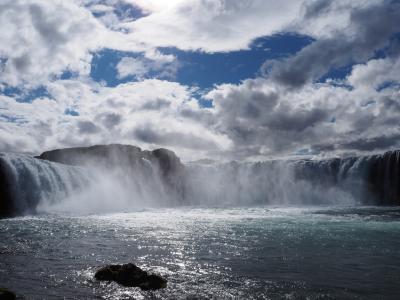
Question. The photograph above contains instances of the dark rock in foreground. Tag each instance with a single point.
(132, 276)
(6, 294)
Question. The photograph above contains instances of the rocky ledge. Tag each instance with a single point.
(6, 294)
(132, 276)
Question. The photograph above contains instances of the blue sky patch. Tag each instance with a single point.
(205, 69)
(24, 95)
(71, 112)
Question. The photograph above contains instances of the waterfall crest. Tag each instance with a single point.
(120, 178)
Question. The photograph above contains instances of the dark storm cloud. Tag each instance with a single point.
(87, 127)
(288, 120)
(150, 135)
(250, 116)
(391, 104)
(374, 143)
(316, 8)
(110, 120)
(318, 148)
(198, 115)
(247, 103)
(22, 63)
(369, 30)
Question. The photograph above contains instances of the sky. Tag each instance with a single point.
(221, 79)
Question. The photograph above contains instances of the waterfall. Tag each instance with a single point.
(365, 180)
(135, 179)
(29, 185)
(28, 181)
(271, 183)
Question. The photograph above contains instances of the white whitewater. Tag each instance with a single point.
(34, 182)
(274, 183)
(42, 186)
(39, 185)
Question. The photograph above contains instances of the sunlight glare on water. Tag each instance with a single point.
(248, 253)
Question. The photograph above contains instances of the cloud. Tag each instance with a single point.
(283, 113)
(373, 143)
(129, 66)
(210, 25)
(87, 127)
(369, 29)
(267, 120)
(375, 73)
(154, 134)
(164, 66)
(131, 113)
(109, 120)
(41, 39)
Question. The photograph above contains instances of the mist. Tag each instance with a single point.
(127, 182)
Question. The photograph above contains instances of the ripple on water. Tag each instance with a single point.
(249, 253)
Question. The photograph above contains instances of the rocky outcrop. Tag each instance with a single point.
(116, 155)
(102, 155)
(7, 208)
(375, 178)
(131, 276)
(129, 158)
(7, 295)
(384, 177)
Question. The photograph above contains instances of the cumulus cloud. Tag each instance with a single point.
(286, 112)
(157, 135)
(40, 39)
(369, 29)
(131, 113)
(375, 73)
(267, 120)
(165, 66)
(210, 25)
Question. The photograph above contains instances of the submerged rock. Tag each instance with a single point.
(132, 276)
(6, 294)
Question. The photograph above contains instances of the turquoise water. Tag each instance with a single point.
(243, 253)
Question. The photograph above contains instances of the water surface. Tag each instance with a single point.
(246, 253)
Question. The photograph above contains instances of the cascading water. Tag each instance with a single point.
(368, 180)
(139, 179)
(29, 185)
(30, 182)
(272, 183)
